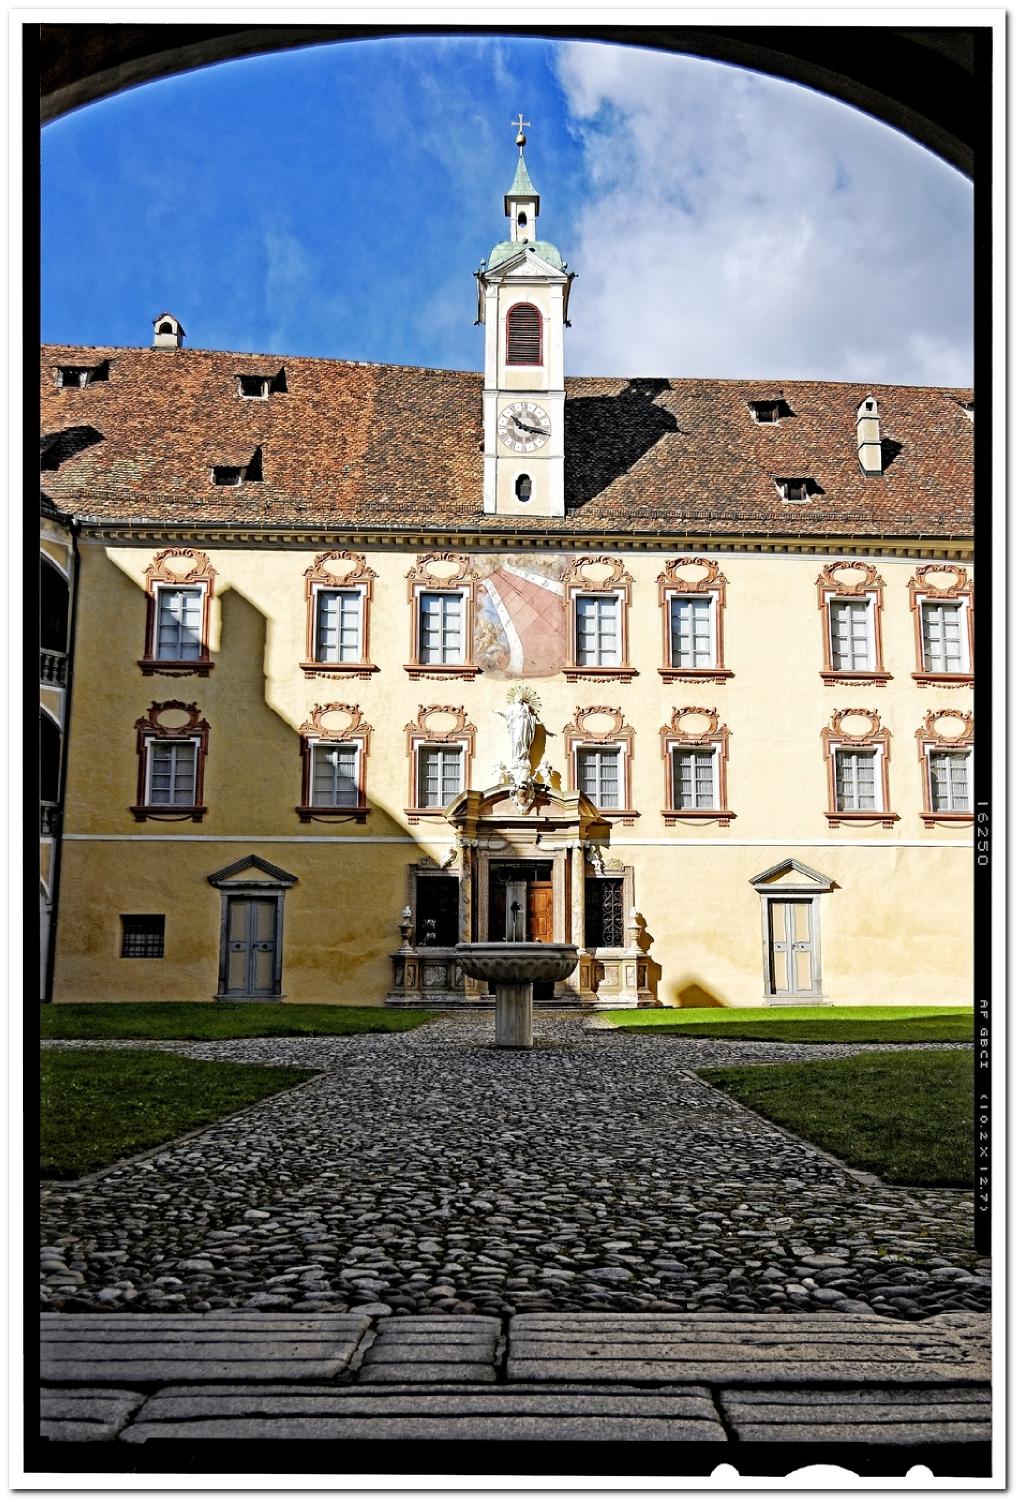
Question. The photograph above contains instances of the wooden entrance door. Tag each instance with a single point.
(540, 911)
(251, 942)
(791, 948)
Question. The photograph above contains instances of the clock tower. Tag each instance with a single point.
(522, 301)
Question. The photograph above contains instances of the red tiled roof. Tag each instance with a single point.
(390, 445)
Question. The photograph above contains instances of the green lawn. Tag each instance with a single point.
(906, 1115)
(100, 1106)
(808, 1023)
(210, 1022)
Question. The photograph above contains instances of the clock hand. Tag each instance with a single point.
(539, 431)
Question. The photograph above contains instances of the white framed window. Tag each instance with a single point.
(171, 773)
(858, 782)
(439, 774)
(599, 773)
(949, 780)
(179, 615)
(850, 634)
(598, 630)
(944, 636)
(338, 625)
(441, 627)
(694, 779)
(334, 774)
(693, 630)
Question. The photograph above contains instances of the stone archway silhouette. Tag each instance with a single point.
(930, 84)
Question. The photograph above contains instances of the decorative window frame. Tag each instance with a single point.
(149, 729)
(360, 579)
(314, 732)
(520, 364)
(158, 575)
(834, 590)
(672, 586)
(577, 736)
(460, 580)
(715, 736)
(876, 737)
(930, 738)
(577, 584)
(420, 734)
(960, 591)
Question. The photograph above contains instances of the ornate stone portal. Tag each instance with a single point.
(524, 823)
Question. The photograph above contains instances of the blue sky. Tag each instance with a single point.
(335, 200)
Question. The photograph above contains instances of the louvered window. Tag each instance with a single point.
(950, 780)
(849, 627)
(525, 335)
(691, 633)
(440, 774)
(441, 628)
(599, 776)
(596, 630)
(178, 633)
(172, 770)
(334, 779)
(694, 781)
(942, 638)
(337, 625)
(855, 781)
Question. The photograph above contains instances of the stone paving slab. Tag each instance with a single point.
(747, 1348)
(679, 1413)
(422, 1350)
(86, 1415)
(125, 1350)
(883, 1415)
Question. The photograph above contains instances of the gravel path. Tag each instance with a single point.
(429, 1171)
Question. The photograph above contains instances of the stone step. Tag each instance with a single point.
(747, 1348)
(146, 1349)
(86, 1414)
(680, 1413)
(874, 1415)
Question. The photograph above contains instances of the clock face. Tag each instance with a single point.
(523, 426)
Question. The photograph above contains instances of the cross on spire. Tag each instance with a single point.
(520, 125)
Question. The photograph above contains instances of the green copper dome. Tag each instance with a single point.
(507, 248)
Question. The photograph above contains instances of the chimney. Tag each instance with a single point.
(169, 332)
(869, 438)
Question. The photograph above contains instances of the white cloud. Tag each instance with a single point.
(740, 226)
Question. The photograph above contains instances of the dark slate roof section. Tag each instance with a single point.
(368, 445)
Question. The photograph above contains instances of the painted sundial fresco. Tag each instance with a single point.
(519, 620)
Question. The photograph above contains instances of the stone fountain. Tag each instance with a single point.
(512, 968)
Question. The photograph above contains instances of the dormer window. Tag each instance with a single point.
(165, 327)
(796, 491)
(248, 473)
(254, 387)
(769, 412)
(74, 377)
(260, 387)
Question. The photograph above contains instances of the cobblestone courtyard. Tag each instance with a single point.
(428, 1172)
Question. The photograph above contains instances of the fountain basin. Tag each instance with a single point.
(512, 968)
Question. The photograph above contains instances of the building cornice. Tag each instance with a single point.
(142, 533)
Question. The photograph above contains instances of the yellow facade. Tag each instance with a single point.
(894, 928)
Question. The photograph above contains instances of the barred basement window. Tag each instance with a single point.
(604, 913)
(142, 936)
(525, 335)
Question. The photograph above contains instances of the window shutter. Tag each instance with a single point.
(525, 335)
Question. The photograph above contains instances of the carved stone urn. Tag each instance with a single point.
(512, 968)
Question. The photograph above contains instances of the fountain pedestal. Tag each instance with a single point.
(513, 968)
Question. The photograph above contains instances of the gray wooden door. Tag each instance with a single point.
(251, 939)
(791, 948)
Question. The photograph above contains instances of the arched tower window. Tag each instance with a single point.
(165, 328)
(524, 487)
(525, 335)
